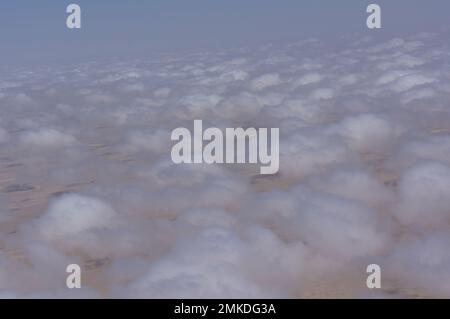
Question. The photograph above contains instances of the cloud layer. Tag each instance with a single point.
(86, 175)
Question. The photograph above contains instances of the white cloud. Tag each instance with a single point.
(264, 81)
(424, 196)
(322, 94)
(309, 78)
(408, 82)
(47, 138)
(73, 214)
(366, 132)
(364, 174)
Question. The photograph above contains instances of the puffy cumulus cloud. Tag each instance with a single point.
(47, 138)
(424, 196)
(234, 75)
(135, 87)
(99, 99)
(328, 224)
(360, 186)
(304, 154)
(364, 174)
(273, 210)
(198, 104)
(154, 142)
(247, 104)
(301, 109)
(81, 224)
(387, 46)
(73, 214)
(408, 82)
(420, 265)
(425, 148)
(23, 99)
(233, 268)
(322, 94)
(39, 273)
(264, 81)
(204, 186)
(162, 92)
(422, 94)
(366, 132)
(201, 217)
(183, 274)
(306, 79)
(391, 76)
(349, 79)
(342, 228)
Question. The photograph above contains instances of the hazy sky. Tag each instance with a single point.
(35, 30)
(86, 175)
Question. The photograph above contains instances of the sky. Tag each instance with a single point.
(35, 31)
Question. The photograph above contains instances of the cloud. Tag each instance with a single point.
(306, 79)
(360, 186)
(264, 81)
(233, 267)
(162, 92)
(73, 214)
(342, 228)
(421, 264)
(86, 175)
(408, 82)
(322, 94)
(366, 132)
(306, 154)
(23, 99)
(154, 142)
(424, 196)
(422, 94)
(99, 98)
(47, 138)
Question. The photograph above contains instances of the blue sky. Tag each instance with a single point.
(35, 30)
